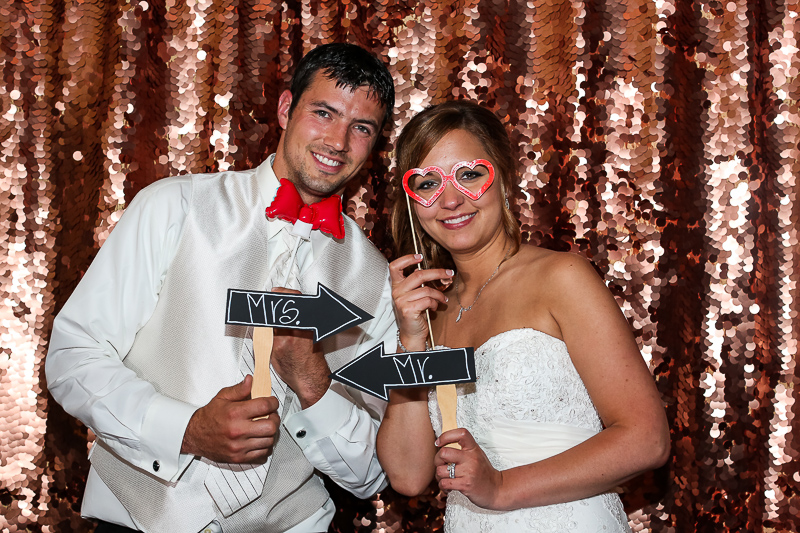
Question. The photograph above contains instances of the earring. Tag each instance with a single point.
(508, 206)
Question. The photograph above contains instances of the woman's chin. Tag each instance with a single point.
(458, 246)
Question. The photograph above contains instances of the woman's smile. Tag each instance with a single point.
(456, 222)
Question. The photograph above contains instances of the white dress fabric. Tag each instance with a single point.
(527, 404)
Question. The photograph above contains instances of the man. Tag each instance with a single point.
(140, 352)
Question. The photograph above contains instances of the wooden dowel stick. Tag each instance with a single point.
(419, 266)
(445, 394)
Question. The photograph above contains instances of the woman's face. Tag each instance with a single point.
(458, 223)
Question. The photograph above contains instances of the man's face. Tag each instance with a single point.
(328, 137)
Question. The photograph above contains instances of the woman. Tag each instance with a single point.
(564, 408)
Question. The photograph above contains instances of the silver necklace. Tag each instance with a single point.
(458, 298)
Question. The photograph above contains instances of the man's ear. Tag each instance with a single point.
(284, 104)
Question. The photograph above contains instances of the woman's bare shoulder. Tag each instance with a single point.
(554, 267)
(539, 283)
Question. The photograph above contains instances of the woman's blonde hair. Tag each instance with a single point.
(414, 144)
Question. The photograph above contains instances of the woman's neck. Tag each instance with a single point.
(476, 267)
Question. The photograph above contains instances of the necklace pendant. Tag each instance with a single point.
(458, 298)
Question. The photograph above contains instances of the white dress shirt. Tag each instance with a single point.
(117, 295)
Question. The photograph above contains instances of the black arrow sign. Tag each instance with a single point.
(375, 372)
(325, 313)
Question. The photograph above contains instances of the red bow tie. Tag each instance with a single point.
(325, 215)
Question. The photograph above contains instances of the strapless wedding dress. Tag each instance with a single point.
(528, 404)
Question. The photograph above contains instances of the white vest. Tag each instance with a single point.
(188, 353)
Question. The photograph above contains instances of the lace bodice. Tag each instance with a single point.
(527, 376)
(524, 374)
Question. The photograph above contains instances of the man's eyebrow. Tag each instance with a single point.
(325, 105)
(368, 122)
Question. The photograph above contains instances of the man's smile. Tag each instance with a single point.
(327, 160)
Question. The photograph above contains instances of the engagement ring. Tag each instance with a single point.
(451, 469)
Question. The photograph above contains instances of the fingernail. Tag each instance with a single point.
(436, 443)
(418, 256)
(450, 272)
(446, 299)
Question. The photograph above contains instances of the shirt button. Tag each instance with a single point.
(156, 466)
(300, 434)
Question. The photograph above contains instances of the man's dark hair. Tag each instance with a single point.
(351, 66)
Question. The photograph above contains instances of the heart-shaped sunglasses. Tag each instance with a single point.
(471, 178)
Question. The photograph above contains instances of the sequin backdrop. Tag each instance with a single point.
(660, 139)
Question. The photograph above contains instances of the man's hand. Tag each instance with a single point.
(299, 362)
(226, 430)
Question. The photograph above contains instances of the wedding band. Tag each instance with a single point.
(451, 469)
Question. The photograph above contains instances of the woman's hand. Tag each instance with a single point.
(412, 299)
(475, 477)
